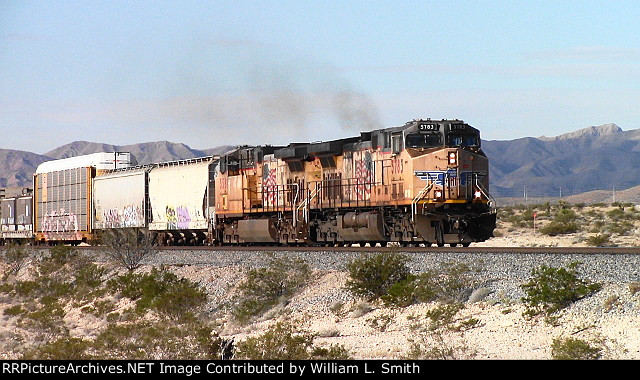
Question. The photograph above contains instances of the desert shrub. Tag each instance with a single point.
(620, 227)
(64, 348)
(60, 276)
(443, 315)
(264, 287)
(555, 228)
(447, 283)
(522, 219)
(64, 279)
(599, 240)
(439, 337)
(505, 211)
(438, 347)
(141, 340)
(15, 256)
(128, 246)
(409, 290)
(618, 214)
(552, 289)
(160, 290)
(373, 276)
(564, 222)
(163, 339)
(592, 213)
(386, 276)
(597, 226)
(574, 349)
(284, 341)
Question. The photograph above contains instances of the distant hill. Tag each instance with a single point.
(17, 167)
(631, 195)
(596, 158)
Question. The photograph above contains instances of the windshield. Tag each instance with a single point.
(463, 140)
(420, 140)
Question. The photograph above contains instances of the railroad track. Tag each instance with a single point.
(484, 249)
(578, 250)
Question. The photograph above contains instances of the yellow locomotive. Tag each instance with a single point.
(425, 182)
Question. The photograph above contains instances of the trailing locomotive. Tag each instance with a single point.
(422, 183)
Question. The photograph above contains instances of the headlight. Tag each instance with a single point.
(477, 194)
(438, 194)
(453, 158)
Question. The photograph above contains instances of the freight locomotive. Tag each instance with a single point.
(425, 182)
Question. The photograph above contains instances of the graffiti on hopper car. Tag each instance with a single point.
(128, 216)
(178, 217)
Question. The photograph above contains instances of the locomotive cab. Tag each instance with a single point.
(452, 202)
(427, 134)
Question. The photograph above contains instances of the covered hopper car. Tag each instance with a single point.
(169, 199)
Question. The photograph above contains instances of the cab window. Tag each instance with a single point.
(423, 140)
(463, 140)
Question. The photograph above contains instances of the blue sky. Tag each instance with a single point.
(208, 73)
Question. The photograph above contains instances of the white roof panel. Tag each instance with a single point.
(101, 160)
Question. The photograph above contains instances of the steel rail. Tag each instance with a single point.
(471, 249)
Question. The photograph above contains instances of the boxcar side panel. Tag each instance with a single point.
(63, 205)
(8, 212)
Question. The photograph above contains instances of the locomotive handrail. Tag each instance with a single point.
(276, 190)
(305, 204)
(295, 200)
(417, 198)
(492, 201)
(345, 192)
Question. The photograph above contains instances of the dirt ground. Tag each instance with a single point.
(492, 328)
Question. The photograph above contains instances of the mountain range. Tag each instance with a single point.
(601, 157)
(596, 158)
